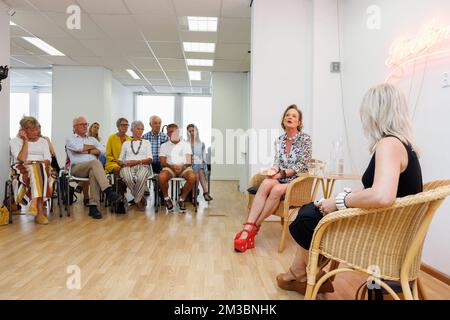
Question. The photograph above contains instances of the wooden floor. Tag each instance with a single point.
(143, 255)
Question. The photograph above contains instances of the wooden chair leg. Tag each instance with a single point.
(420, 290)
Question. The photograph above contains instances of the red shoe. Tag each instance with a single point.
(241, 245)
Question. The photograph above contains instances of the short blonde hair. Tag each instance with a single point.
(384, 111)
(29, 122)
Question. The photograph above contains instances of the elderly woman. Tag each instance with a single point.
(292, 156)
(32, 165)
(394, 171)
(135, 160)
(198, 159)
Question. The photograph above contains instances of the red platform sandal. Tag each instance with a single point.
(241, 245)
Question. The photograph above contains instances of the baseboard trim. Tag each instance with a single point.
(435, 273)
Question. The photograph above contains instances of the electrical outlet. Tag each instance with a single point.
(335, 67)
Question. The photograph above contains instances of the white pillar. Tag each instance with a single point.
(281, 65)
(4, 99)
(84, 91)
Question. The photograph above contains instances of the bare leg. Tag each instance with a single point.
(272, 202)
(203, 182)
(190, 182)
(164, 178)
(298, 266)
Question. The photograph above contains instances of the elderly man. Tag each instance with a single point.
(83, 153)
(156, 138)
(176, 160)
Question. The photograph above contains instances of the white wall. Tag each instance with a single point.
(364, 66)
(229, 111)
(122, 103)
(78, 91)
(4, 99)
(281, 65)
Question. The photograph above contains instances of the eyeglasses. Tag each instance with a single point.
(82, 124)
(124, 124)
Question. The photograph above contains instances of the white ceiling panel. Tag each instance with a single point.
(88, 61)
(27, 46)
(152, 7)
(116, 63)
(133, 82)
(145, 64)
(61, 61)
(103, 6)
(177, 75)
(232, 51)
(180, 83)
(173, 64)
(69, 47)
(227, 65)
(167, 49)
(118, 26)
(201, 83)
(18, 32)
(19, 5)
(200, 55)
(38, 25)
(189, 36)
(203, 8)
(18, 50)
(234, 30)
(88, 30)
(154, 75)
(16, 62)
(158, 27)
(33, 61)
(236, 9)
(52, 5)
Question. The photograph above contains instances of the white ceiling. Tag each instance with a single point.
(145, 35)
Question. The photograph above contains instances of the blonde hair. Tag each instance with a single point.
(29, 122)
(384, 111)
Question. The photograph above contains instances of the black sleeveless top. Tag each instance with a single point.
(410, 181)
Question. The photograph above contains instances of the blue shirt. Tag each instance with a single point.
(75, 144)
(156, 140)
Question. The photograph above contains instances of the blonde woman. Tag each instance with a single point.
(394, 171)
(292, 156)
(32, 166)
(94, 128)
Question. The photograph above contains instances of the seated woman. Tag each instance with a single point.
(394, 171)
(135, 160)
(292, 156)
(32, 165)
(198, 159)
(94, 128)
(113, 149)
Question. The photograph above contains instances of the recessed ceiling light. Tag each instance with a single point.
(44, 46)
(133, 74)
(195, 75)
(200, 62)
(202, 24)
(199, 47)
(12, 23)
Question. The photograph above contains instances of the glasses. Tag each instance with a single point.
(82, 124)
(124, 125)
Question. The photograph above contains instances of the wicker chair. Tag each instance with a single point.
(299, 192)
(389, 238)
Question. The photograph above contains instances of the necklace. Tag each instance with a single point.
(291, 138)
(139, 148)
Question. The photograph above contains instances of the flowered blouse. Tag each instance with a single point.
(299, 157)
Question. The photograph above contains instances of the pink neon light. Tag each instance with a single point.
(437, 53)
(430, 37)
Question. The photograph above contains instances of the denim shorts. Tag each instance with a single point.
(198, 166)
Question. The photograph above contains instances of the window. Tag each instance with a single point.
(197, 110)
(162, 106)
(45, 114)
(19, 107)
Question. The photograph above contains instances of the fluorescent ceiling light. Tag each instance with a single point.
(133, 74)
(199, 47)
(12, 23)
(200, 62)
(195, 75)
(44, 46)
(202, 24)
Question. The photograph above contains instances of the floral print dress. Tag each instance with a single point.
(299, 157)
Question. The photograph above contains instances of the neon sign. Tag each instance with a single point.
(426, 44)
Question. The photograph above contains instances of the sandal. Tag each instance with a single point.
(300, 286)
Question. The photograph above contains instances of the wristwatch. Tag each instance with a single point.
(340, 199)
